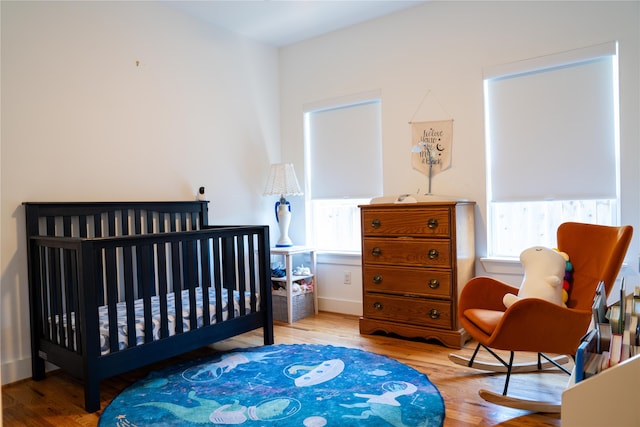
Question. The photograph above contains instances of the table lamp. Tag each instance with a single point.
(282, 180)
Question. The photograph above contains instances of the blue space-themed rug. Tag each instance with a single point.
(281, 385)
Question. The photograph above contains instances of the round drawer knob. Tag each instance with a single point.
(377, 279)
(434, 283)
(376, 251)
(433, 254)
(377, 306)
(432, 223)
(434, 314)
(375, 223)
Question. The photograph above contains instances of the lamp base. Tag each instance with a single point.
(283, 215)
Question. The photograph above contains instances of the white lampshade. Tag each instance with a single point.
(282, 181)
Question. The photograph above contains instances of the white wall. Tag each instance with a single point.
(81, 121)
(442, 47)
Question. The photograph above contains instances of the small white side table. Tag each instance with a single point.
(289, 278)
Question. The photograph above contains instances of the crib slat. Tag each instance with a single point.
(162, 289)
(256, 271)
(149, 222)
(97, 232)
(137, 227)
(66, 226)
(50, 296)
(240, 260)
(70, 274)
(194, 221)
(190, 267)
(217, 278)
(172, 222)
(51, 225)
(82, 225)
(111, 223)
(112, 297)
(129, 294)
(162, 217)
(206, 279)
(38, 273)
(124, 218)
(148, 288)
(54, 294)
(229, 272)
(74, 281)
(97, 225)
(176, 284)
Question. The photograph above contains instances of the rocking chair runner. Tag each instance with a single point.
(534, 325)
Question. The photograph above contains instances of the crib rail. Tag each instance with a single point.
(103, 219)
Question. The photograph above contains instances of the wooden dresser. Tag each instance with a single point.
(416, 258)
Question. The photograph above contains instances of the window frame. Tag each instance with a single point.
(552, 63)
(341, 103)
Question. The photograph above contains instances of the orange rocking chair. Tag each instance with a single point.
(534, 325)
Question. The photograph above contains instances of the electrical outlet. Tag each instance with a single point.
(347, 277)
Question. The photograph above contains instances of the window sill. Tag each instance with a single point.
(339, 258)
(502, 265)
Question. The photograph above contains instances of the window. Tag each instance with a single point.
(552, 146)
(343, 166)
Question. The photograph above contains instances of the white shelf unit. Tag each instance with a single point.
(606, 399)
(289, 254)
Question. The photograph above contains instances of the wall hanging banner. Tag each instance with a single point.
(431, 146)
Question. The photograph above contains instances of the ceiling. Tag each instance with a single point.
(280, 23)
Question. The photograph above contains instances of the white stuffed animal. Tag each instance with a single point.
(544, 270)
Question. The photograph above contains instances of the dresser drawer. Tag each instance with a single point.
(427, 312)
(398, 222)
(408, 251)
(407, 281)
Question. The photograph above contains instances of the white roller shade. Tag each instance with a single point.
(345, 156)
(552, 132)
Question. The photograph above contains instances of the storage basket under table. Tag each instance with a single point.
(302, 306)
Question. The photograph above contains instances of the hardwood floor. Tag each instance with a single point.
(58, 400)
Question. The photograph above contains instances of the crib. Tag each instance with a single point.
(114, 286)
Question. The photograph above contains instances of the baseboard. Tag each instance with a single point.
(17, 370)
(335, 305)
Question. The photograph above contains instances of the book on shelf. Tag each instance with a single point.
(615, 349)
(623, 307)
(604, 363)
(599, 307)
(604, 337)
(616, 313)
(593, 365)
(633, 329)
(585, 351)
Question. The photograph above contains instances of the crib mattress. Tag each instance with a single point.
(121, 308)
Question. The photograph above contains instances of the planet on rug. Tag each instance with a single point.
(304, 385)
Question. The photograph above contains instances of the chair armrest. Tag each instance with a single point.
(532, 324)
(484, 292)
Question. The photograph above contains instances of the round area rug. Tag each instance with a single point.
(281, 385)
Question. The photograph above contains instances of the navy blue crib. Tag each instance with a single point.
(114, 286)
